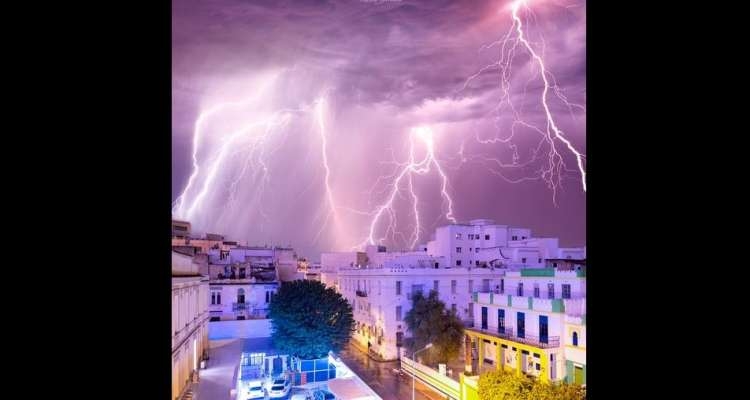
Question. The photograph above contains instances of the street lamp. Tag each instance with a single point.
(414, 360)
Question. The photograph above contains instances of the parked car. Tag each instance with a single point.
(280, 388)
(256, 392)
(301, 396)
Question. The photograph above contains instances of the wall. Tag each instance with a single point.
(182, 264)
(252, 328)
(255, 298)
(380, 286)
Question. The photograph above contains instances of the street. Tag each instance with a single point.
(381, 378)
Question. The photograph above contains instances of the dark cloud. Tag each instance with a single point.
(388, 65)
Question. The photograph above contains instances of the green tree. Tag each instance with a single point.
(502, 385)
(308, 320)
(430, 322)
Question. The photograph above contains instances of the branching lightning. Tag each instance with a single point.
(551, 170)
(320, 109)
(408, 170)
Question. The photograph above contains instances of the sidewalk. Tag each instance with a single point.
(220, 375)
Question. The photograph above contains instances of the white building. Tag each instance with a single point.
(535, 325)
(244, 280)
(481, 241)
(461, 259)
(189, 321)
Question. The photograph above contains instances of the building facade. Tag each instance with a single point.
(240, 299)
(189, 322)
(461, 260)
(534, 325)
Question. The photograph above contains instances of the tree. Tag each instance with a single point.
(502, 385)
(308, 320)
(430, 322)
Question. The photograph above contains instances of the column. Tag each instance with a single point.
(545, 371)
(467, 354)
(498, 357)
(481, 355)
(518, 361)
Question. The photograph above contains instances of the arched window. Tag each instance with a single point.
(575, 338)
(241, 296)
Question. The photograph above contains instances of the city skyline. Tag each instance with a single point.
(297, 122)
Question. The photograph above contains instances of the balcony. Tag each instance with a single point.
(507, 333)
(239, 306)
(361, 293)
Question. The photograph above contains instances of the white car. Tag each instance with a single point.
(279, 388)
(256, 392)
(300, 396)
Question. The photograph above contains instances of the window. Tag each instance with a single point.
(458, 236)
(213, 319)
(218, 298)
(458, 263)
(566, 291)
(536, 290)
(502, 285)
(486, 237)
(458, 249)
(213, 297)
(575, 338)
(437, 265)
(454, 308)
(471, 236)
(523, 237)
(485, 283)
(398, 288)
(469, 249)
(399, 339)
(453, 287)
(484, 317)
(471, 311)
(543, 330)
(523, 260)
(550, 290)
(435, 285)
(500, 321)
(477, 249)
(514, 238)
(477, 263)
(521, 325)
(268, 297)
(539, 261)
(240, 318)
(398, 313)
(471, 286)
(519, 290)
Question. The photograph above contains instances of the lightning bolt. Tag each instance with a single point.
(406, 171)
(516, 41)
(180, 209)
(320, 109)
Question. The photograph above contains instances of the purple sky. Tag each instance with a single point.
(383, 68)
